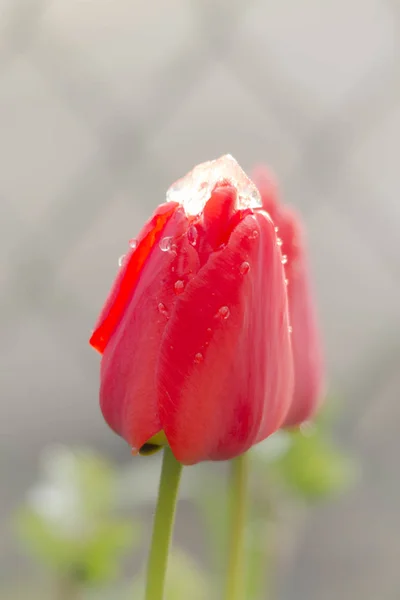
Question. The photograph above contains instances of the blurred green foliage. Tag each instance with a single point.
(185, 579)
(312, 467)
(305, 461)
(72, 519)
(291, 468)
(69, 522)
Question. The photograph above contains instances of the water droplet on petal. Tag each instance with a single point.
(121, 260)
(290, 329)
(279, 241)
(244, 268)
(192, 235)
(162, 309)
(135, 451)
(133, 243)
(165, 244)
(284, 259)
(286, 281)
(254, 235)
(198, 358)
(179, 286)
(223, 312)
(276, 229)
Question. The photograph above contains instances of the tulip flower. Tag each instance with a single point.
(306, 343)
(194, 336)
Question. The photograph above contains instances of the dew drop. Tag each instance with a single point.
(276, 229)
(133, 243)
(135, 451)
(209, 331)
(179, 286)
(279, 241)
(166, 244)
(284, 259)
(254, 235)
(198, 358)
(162, 309)
(244, 268)
(192, 235)
(286, 281)
(223, 312)
(290, 329)
(121, 260)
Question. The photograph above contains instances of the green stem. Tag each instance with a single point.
(163, 526)
(238, 500)
(258, 562)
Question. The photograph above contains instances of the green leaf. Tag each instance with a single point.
(185, 580)
(100, 556)
(68, 522)
(41, 540)
(313, 468)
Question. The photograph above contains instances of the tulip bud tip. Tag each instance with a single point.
(194, 189)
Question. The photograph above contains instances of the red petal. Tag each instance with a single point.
(306, 343)
(128, 393)
(126, 279)
(268, 188)
(228, 341)
(218, 213)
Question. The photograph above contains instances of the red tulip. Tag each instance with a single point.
(306, 344)
(195, 333)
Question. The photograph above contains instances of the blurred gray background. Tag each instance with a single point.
(103, 103)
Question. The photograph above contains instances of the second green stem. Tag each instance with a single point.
(234, 588)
